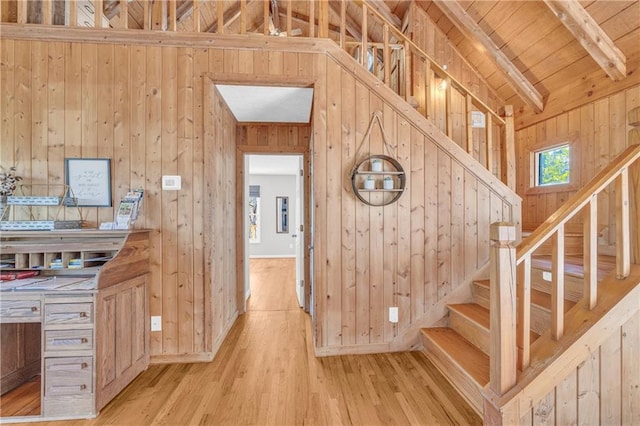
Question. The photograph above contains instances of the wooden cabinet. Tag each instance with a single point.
(90, 322)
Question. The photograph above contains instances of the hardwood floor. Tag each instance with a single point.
(266, 374)
(23, 400)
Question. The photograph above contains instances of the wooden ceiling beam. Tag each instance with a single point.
(470, 28)
(383, 9)
(593, 38)
(353, 27)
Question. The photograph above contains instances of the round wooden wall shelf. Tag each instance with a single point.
(378, 186)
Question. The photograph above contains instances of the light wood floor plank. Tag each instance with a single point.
(266, 374)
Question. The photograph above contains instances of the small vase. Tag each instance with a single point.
(376, 165)
(369, 183)
(387, 183)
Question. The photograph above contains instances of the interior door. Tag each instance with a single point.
(299, 233)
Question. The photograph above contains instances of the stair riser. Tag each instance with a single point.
(465, 385)
(480, 295)
(573, 286)
(470, 330)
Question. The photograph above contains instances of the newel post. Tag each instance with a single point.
(503, 349)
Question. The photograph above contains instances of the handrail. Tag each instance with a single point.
(434, 64)
(505, 336)
(577, 202)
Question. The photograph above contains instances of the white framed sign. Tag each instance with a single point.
(89, 180)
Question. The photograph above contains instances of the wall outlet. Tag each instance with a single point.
(156, 323)
(393, 314)
(546, 275)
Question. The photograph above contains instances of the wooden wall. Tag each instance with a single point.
(149, 104)
(604, 389)
(431, 98)
(602, 132)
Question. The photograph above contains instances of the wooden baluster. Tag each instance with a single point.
(124, 13)
(312, 19)
(364, 49)
(290, 19)
(323, 19)
(159, 15)
(73, 13)
(489, 143)
(468, 111)
(265, 17)
(243, 16)
(524, 313)
(343, 23)
(502, 350)
(406, 71)
(146, 16)
(623, 238)
(428, 89)
(173, 24)
(195, 15)
(590, 253)
(47, 12)
(557, 283)
(509, 154)
(386, 55)
(220, 13)
(22, 12)
(449, 106)
(99, 6)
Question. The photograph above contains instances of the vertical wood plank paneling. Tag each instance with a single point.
(390, 227)
(589, 390)
(611, 390)
(7, 108)
(362, 223)
(334, 179)
(170, 308)
(146, 108)
(154, 172)
(566, 402)
(403, 140)
(105, 128)
(121, 127)
(185, 202)
(419, 261)
(630, 377)
(40, 123)
(444, 224)
(55, 116)
(320, 167)
(348, 213)
(73, 101)
(377, 314)
(429, 295)
(200, 64)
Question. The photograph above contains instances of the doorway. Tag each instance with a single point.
(275, 219)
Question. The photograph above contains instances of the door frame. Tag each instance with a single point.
(241, 151)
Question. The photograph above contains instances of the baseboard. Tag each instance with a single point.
(375, 348)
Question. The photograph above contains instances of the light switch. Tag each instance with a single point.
(171, 183)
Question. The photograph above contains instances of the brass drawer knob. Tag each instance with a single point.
(84, 340)
(83, 315)
(83, 387)
(34, 309)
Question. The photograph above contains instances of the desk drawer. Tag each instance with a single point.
(68, 376)
(68, 340)
(68, 313)
(20, 310)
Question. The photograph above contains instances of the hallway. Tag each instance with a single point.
(266, 374)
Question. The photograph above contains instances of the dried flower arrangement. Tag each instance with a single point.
(8, 181)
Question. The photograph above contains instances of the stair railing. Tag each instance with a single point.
(511, 303)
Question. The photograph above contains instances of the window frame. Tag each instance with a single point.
(574, 165)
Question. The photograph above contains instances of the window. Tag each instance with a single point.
(552, 166)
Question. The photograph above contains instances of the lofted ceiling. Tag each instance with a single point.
(540, 46)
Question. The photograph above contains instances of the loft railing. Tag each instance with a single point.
(388, 58)
(510, 343)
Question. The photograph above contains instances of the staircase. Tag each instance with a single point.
(556, 310)
(463, 347)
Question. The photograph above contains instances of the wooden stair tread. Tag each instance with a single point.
(574, 265)
(538, 298)
(474, 312)
(470, 359)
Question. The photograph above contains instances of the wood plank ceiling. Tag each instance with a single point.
(538, 52)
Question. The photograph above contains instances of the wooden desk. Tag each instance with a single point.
(81, 323)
